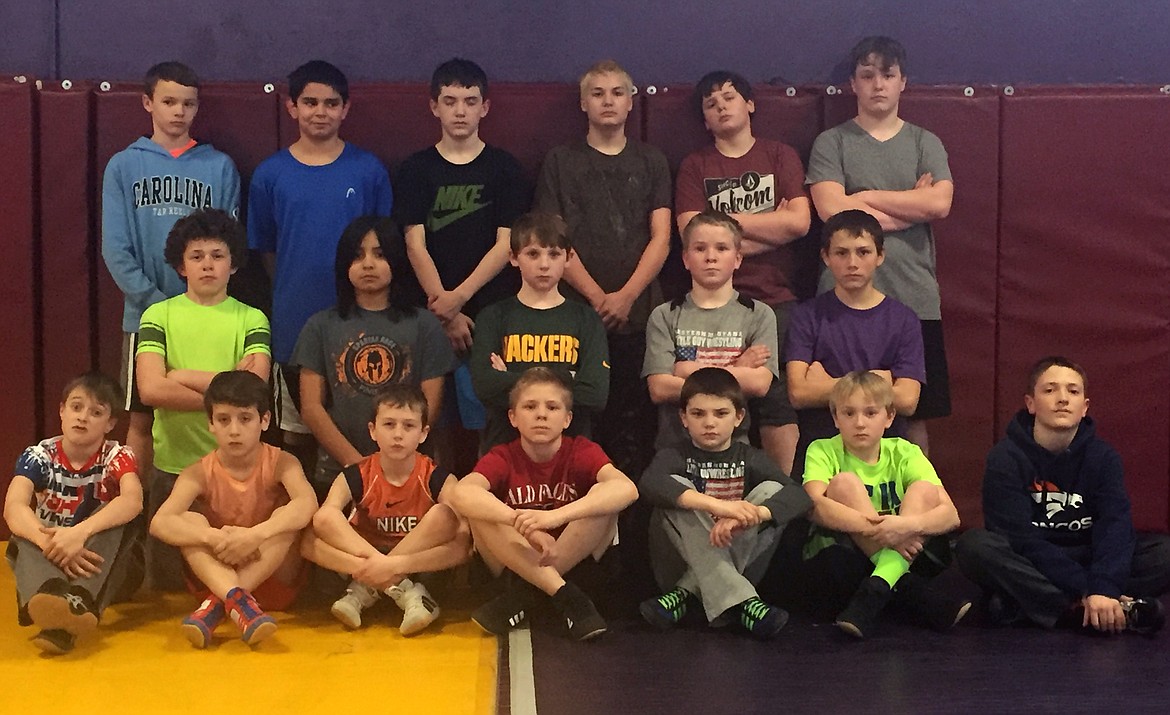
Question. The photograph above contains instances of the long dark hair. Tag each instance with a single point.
(405, 294)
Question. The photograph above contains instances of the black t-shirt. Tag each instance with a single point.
(461, 206)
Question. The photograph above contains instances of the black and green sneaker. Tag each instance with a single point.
(761, 619)
(666, 610)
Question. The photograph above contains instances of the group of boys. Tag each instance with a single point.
(542, 373)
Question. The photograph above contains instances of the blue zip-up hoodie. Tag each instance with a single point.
(1049, 504)
(145, 190)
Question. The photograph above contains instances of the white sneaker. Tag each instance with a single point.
(419, 610)
(348, 608)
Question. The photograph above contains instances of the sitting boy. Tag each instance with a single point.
(539, 326)
(721, 507)
(852, 327)
(70, 550)
(236, 515)
(712, 326)
(876, 502)
(399, 522)
(1059, 544)
(540, 505)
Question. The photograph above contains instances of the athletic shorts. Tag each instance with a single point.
(128, 375)
(935, 399)
(287, 396)
(460, 405)
(774, 409)
(272, 595)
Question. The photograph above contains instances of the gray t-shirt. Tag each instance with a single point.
(714, 337)
(606, 202)
(848, 155)
(363, 353)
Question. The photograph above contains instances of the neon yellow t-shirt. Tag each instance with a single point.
(190, 336)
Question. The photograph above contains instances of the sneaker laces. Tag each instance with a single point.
(753, 611)
(675, 602)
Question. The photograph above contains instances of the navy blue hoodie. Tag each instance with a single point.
(1045, 502)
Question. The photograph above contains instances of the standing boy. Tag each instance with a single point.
(539, 506)
(70, 550)
(184, 342)
(720, 509)
(399, 523)
(712, 326)
(300, 200)
(759, 183)
(613, 191)
(1059, 544)
(539, 326)
(876, 503)
(898, 172)
(147, 187)
(236, 515)
(852, 327)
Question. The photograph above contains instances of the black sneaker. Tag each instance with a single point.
(860, 616)
(666, 610)
(58, 606)
(762, 620)
(581, 616)
(1144, 616)
(508, 610)
(1002, 610)
(54, 641)
(939, 610)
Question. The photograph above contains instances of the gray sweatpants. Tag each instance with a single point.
(121, 570)
(681, 554)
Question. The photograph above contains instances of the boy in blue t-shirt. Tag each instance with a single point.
(877, 501)
(300, 201)
(147, 187)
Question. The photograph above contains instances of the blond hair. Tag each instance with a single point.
(605, 67)
(875, 388)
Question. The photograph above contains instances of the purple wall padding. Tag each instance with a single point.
(967, 245)
(18, 346)
(1083, 265)
(67, 254)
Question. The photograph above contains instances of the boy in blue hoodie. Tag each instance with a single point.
(147, 187)
(1059, 546)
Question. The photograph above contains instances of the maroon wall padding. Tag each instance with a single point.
(1083, 265)
(18, 344)
(67, 255)
(967, 245)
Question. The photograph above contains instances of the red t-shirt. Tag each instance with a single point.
(753, 183)
(384, 512)
(523, 484)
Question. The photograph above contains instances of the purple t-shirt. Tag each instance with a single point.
(887, 336)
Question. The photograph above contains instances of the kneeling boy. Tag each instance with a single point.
(70, 550)
(540, 505)
(721, 507)
(399, 522)
(236, 514)
(879, 500)
(1060, 543)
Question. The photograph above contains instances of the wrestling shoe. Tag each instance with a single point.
(762, 620)
(1144, 616)
(860, 616)
(54, 641)
(203, 621)
(348, 609)
(922, 598)
(419, 610)
(255, 625)
(667, 610)
(58, 606)
(507, 610)
(580, 614)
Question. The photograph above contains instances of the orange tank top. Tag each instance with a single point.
(385, 513)
(242, 502)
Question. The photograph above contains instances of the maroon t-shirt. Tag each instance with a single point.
(753, 183)
(523, 484)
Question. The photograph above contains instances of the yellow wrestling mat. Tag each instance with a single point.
(139, 662)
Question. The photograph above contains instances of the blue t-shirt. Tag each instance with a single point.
(298, 212)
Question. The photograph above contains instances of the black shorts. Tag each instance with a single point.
(128, 375)
(935, 400)
(773, 409)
